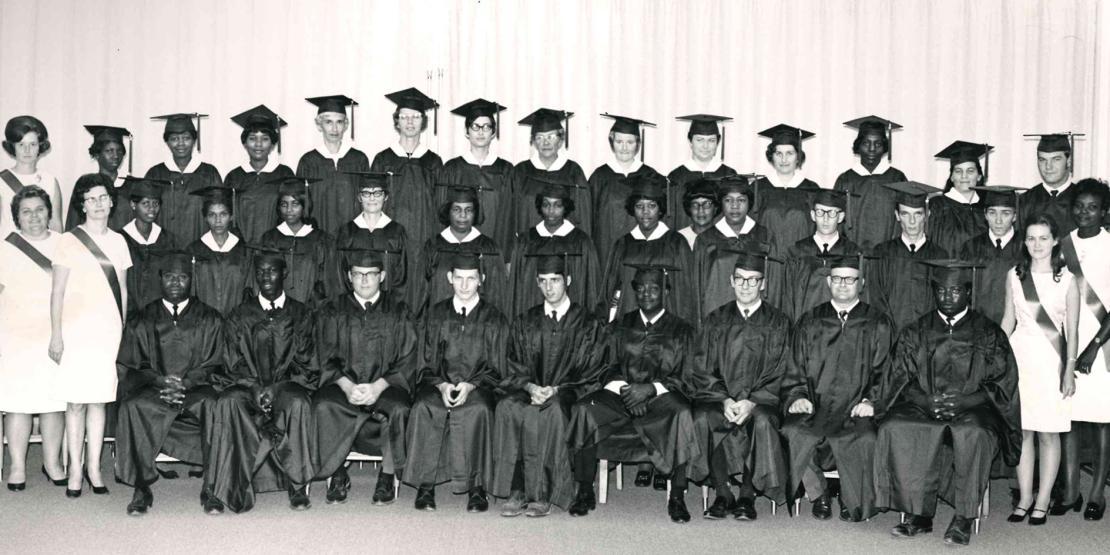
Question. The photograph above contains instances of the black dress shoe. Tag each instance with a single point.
(659, 482)
(822, 507)
(745, 509)
(1094, 511)
(721, 508)
(1018, 515)
(477, 502)
(339, 486)
(584, 502)
(913, 526)
(58, 482)
(141, 500)
(17, 487)
(384, 494)
(1038, 520)
(298, 498)
(73, 493)
(425, 498)
(676, 509)
(643, 478)
(210, 504)
(97, 490)
(1058, 509)
(959, 531)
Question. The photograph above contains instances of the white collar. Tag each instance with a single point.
(848, 308)
(656, 233)
(271, 164)
(284, 229)
(1059, 190)
(191, 167)
(180, 306)
(559, 311)
(726, 229)
(561, 159)
(364, 302)
(653, 320)
(960, 198)
(619, 170)
(751, 310)
(344, 148)
(688, 233)
(278, 302)
(563, 230)
(1005, 238)
(883, 166)
(210, 242)
(450, 237)
(469, 306)
(917, 244)
(132, 231)
(121, 178)
(383, 221)
(798, 178)
(397, 149)
(710, 167)
(469, 158)
(956, 319)
(835, 240)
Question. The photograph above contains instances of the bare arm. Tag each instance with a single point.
(56, 214)
(57, 298)
(1009, 321)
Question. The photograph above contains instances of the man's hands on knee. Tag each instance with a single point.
(800, 406)
(539, 395)
(864, 409)
(171, 390)
(362, 394)
(455, 395)
(738, 412)
(636, 396)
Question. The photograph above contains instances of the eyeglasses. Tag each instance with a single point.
(843, 280)
(830, 213)
(372, 194)
(481, 127)
(747, 282)
(102, 199)
(410, 118)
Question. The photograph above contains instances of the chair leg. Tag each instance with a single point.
(620, 476)
(396, 486)
(668, 488)
(901, 518)
(797, 505)
(986, 510)
(603, 481)
(704, 498)
(774, 507)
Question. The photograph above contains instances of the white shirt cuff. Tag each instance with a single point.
(615, 386)
(659, 389)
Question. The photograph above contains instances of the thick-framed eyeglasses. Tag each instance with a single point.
(476, 127)
(823, 213)
(843, 280)
(378, 194)
(748, 282)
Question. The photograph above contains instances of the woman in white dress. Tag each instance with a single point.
(26, 372)
(1042, 304)
(88, 299)
(26, 140)
(1087, 252)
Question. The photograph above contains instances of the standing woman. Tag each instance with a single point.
(252, 196)
(872, 219)
(1042, 308)
(87, 304)
(957, 215)
(609, 185)
(26, 140)
(784, 196)
(309, 251)
(220, 258)
(26, 373)
(108, 151)
(375, 230)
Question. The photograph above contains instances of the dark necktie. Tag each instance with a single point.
(843, 314)
(951, 323)
(555, 315)
(824, 248)
(998, 244)
(175, 314)
(1054, 194)
(913, 247)
(745, 312)
(273, 306)
(462, 312)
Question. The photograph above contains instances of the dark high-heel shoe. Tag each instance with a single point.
(97, 490)
(1058, 509)
(1038, 520)
(17, 487)
(60, 482)
(73, 493)
(1094, 510)
(1015, 517)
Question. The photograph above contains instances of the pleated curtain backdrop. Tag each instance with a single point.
(980, 70)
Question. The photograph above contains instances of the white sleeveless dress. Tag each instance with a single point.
(1043, 407)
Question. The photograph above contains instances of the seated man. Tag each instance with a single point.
(167, 355)
(642, 395)
(952, 397)
(463, 345)
(556, 348)
(841, 351)
(740, 357)
(366, 345)
(262, 440)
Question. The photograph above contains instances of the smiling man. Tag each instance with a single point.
(998, 249)
(1054, 194)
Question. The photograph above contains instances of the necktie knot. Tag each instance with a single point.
(745, 312)
(273, 306)
(462, 312)
(913, 247)
(998, 243)
(555, 315)
(1054, 194)
(174, 311)
(843, 314)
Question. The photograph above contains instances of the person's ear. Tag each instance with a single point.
(568, 280)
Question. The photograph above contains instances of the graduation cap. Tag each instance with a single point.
(552, 188)
(336, 104)
(113, 134)
(942, 270)
(649, 185)
(552, 260)
(736, 184)
(964, 151)
(783, 134)
(1063, 141)
(706, 124)
(876, 123)
(145, 187)
(660, 271)
(182, 123)
(370, 180)
(216, 194)
(260, 252)
(261, 117)
(481, 107)
(999, 195)
(548, 119)
(413, 99)
(911, 193)
(465, 256)
(855, 261)
(169, 260)
(755, 261)
(629, 126)
(366, 257)
(292, 184)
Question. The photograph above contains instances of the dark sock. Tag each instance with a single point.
(585, 465)
(518, 477)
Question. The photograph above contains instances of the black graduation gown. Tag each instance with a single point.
(363, 345)
(610, 193)
(679, 178)
(256, 202)
(990, 286)
(670, 249)
(805, 285)
(181, 211)
(251, 450)
(835, 366)
(568, 354)
(455, 445)
(495, 196)
(951, 223)
(154, 347)
(740, 359)
(393, 238)
(714, 266)
(221, 279)
(434, 265)
(310, 262)
(639, 354)
(784, 212)
(899, 283)
(872, 218)
(525, 190)
(333, 201)
(144, 285)
(1037, 199)
(412, 192)
(913, 464)
(585, 270)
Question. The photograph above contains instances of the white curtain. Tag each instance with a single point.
(979, 70)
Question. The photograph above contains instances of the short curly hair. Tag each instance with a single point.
(30, 191)
(19, 126)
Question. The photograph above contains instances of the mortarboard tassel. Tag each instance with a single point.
(435, 120)
(130, 155)
(566, 122)
(352, 122)
(277, 125)
(889, 142)
(497, 122)
(642, 143)
(198, 131)
(722, 144)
